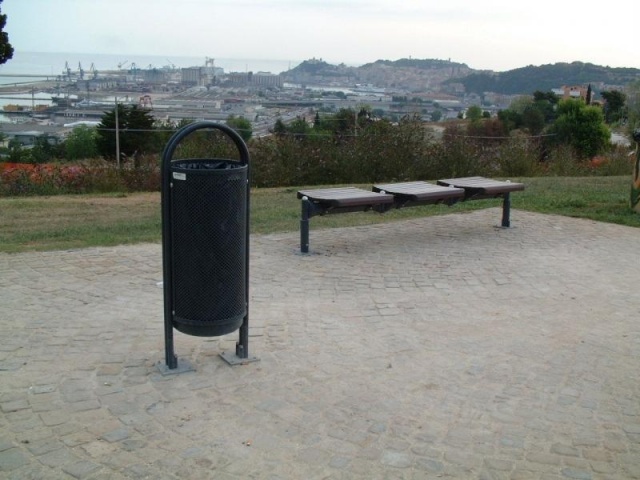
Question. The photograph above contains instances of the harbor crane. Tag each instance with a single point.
(80, 71)
(67, 71)
(121, 65)
(94, 72)
(134, 71)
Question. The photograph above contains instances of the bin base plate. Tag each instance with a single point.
(184, 366)
(232, 359)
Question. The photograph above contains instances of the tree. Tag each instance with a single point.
(299, 128)
(546, 103)
(474, 113)
(363, 118)
(436, 115)
(511, 119)
(614, 105)
(81, 143)
(43, 149)
(6, 50)
(633, 107)
(344, 121)
(519, 104)
(582, 127)
(166, 128)
(530, 113)
(279, 128)
(18, 154)
(135, 132)
(545, 96)
(241, 125)
(533, 119)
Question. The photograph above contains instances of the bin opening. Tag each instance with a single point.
(206, 164)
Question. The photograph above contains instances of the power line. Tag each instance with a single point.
(325, 133)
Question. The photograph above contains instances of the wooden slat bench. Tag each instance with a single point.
(325, 201)
(420, 193)
(384, 197)
(479, 188)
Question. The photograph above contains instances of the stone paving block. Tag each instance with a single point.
(58, 458)
(12, 458)
(54, 418)
(14, 406)
(81, 469)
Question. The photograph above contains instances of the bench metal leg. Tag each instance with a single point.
(506, 210)
(304, 225)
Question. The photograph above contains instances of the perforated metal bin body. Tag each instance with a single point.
(208, 230)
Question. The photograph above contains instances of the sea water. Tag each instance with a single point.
(56, 64)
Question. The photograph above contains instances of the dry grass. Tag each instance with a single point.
(73, 221)
(77, 221)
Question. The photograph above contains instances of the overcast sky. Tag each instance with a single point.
(485, 34)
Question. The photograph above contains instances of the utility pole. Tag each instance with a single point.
(117, 138)
(355, 125)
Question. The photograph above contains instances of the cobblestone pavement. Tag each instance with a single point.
(429, 348)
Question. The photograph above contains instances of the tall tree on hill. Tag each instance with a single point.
(546, 102)
(81, 143)
(6, 50)
(241, 125)
(135, 131)
(582, 127)
(632, 107)
(614, 105)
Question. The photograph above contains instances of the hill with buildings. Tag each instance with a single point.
(546, 77)
(445, 76)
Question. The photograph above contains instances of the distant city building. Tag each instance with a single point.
(200, 76)
(265, 79)
(191, 75)
(154, 75)
(96, 84)
(571, 92)
(250, 79)
(29, 138)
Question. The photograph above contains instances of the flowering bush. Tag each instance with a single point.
(52, 179)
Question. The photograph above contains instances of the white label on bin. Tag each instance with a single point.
(179, 176)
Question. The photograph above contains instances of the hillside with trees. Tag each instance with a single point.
(423, 75)
(546, 77)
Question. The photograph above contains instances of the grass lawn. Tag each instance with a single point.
(78, 221)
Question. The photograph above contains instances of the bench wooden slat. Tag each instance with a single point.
(421, 191)
(346, 197)
(485, 186)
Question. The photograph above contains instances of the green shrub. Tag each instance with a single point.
(518, 157)
(616, 162)
(562, 162)
(378, 152)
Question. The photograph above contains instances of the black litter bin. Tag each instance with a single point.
(205, 230)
